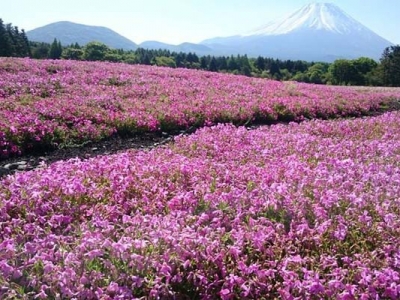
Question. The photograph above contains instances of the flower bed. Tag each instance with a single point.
(298, 211)
(47, 104)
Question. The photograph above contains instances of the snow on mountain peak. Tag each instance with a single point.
(317, 16)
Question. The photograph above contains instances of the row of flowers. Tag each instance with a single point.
(60, 103)
(298, 211)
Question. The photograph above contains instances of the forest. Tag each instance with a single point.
(361, 71)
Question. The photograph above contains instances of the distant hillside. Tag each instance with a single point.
(70, 33)
(184, 47)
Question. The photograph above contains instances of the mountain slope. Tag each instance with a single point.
(184, 47)
(69, 33)
(318, 16)
(318, 31)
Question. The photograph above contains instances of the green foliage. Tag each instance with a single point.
(285, 75)
(274, 70)
(55, 50)
(301, 77)
(112, 56)
(317, 73)
(375, 76)
(245, 68)
(95, 51)
(354, 72)
(232, 64)
(13, 42)
(72, 53)
(390, 61)
(129, 58)
(342, 71)
(40, 50)
(164, 61)
(260, 63)
(213, 67)
(365, 64)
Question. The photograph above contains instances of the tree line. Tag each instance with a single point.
(13, 42)
(360, 71)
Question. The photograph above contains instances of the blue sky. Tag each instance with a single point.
(177, 21)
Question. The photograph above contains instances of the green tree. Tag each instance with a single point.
(13, 42)
(5, 42)
(365, 64)
(375, 77)
(10, 36)
(285, 74)
(390, 61)
(213, 67)
(343, 72)
(316, 73)
(232, 64)
(164, 61)
(130, 58)
(222, 63)
(147, 59)
(55, 50)
(301, 77)
(260, 63)
(25, 43)
(180, 59)
(113, 56)
(72, 53)
(245, 68)
(192, 58)
(203, 63)
(40, 50)
(274, 70)
(95, 51)
(300, 66)
(289, 65)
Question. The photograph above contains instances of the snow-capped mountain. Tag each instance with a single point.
(319, 16)
(318, 31)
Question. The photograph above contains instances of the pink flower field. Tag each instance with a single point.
(298, 211)
(50, 104)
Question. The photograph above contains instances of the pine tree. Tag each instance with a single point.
(18, 42)
(40, 50)
(232, 63)
(203, 63)
(5, 43)
(260, 63)
(55, 50)
(180, 59)
(60, 48)
(274, 70)
(245, 68)
(390, 61)
(25, 42)
(13, 42)
(213, 65)
(222, 63)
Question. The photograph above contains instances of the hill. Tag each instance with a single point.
(71, 33)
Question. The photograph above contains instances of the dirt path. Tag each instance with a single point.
(112, 145)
